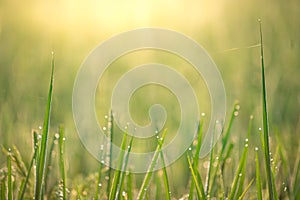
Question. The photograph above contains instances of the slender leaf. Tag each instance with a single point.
(44, 143)
(148, 176)
(266, 122)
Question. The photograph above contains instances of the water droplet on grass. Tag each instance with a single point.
(123, 193)
(40, 127)
(104, 128)
(56, 135)
(236, 113)
(190, 148)
(256, 148)
(240, 174)
(203, 114)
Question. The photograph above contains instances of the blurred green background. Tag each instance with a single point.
(31, 30)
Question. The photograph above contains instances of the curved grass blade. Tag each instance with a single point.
(62, 161)
(198, 184)
(44, 143)
(3, 189)
(246, 190)
(271, 187)
(148, 176)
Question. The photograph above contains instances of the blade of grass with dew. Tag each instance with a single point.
(110, 126)
(242, 178)
(238, 173)
(246, 190)
(35, 152)
(165, 177)
(196, 157)
(123, 172)
(62, 161)
(266, 121)
(44, 142)
(49, 162)
(257, 176)
(117, 173)
(149, 173)
(209, 170)
(198, 185)
(99, 175)
(225, 138)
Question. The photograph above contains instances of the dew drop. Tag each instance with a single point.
(157, 137)
(156, 131)
(217, 158)
(101, 147)
(256, 148)
(104, 128)
(237, 107)
(246, 140)
(99, 184)
(285, 189)
(123, 193)
(236, 113)
(40, 127)
(259, 129)
(56, 136)
(203, 114)
(240, 174)
(251, 117)
(190, 148)
(64, 139)
(128, 147)
(246, 145)
(102, 161)
(105, 116)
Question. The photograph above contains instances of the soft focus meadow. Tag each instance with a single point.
(228, 30)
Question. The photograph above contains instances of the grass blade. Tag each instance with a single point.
(3, 189)
(165, 176)
(62, 161)
(148, 176)
(44, 143)
(258, 178)
(9, 176)
(238, 172)
(266, 121)
(246, 190)
(196, 157)
(123, 173)
(23, 189)
(198, 184)
(117, 174)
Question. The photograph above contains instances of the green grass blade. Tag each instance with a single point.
(62, 161)
(238, 173)
(196, 157)
(9, 176)
(209, 170)
(117, 174)
(110, 126)
(23, 189)
(123, 173)
(149, 173)
(3, 189)
(165, 177)
(242, 178)
(246, 190)
(258, 178)
(129, 186)
(44, 142)
(266, 121)
(198, 184)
